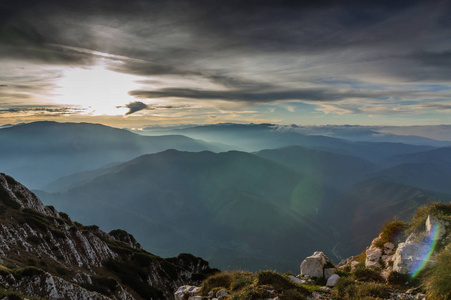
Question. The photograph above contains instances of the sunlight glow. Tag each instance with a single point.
(99, 90)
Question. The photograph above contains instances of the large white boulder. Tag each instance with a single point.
(407, 256)
(313, 266)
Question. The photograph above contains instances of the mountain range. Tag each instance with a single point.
(288, 195)
(40, 152)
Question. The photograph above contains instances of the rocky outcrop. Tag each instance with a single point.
(317, 265)
(80, 259)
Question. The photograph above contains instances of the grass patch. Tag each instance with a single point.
(220, 280)
(347, 289)
(437, 281)
(437, 209)
(364, 274)
(135, 277)
(246, 285)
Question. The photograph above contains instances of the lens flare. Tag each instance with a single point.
(431, 242)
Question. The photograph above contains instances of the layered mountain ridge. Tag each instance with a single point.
(43, 253)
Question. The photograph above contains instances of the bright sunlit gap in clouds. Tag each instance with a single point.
(98, 89)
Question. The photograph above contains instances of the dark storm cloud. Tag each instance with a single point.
(135, 107)
(40, 110)
(258, 51)
(254, 96)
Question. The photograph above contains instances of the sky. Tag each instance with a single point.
(138, 63)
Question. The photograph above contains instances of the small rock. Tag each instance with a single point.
(296, 280)
(221, 293)
(388, 248)
(421, 297)
(332, 281)
(210, 294)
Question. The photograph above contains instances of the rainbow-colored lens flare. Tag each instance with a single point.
(431, 242)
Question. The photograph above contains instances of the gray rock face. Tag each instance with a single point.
(313, 266)
(30, 231)
(44, 285)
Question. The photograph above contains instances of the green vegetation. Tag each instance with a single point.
(437, 209)
(365, 274)
(36, 220)
(389, 232)
(135, 277)
(247, 285)
(437, 281)
(7, 199)
(103, 285)
(347, 289)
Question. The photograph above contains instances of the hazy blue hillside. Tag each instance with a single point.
(430, 176)
(335, 169)
(38, 153)
(256, 137)
(235, 209)
(435, 156)
(358, 214)
(238, 209)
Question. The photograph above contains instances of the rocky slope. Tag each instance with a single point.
(43, 253)
(406, 261)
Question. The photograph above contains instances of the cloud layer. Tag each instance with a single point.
(346, 57)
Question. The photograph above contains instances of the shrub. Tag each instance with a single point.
(389, 231)
(347, 289)
(437, 281)
(438, 209)
(395, 278)
(135, 277)
(370, 289)
(275, 280)
(364, 274)
(344, 288)
(220, 280)
(242, 279)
